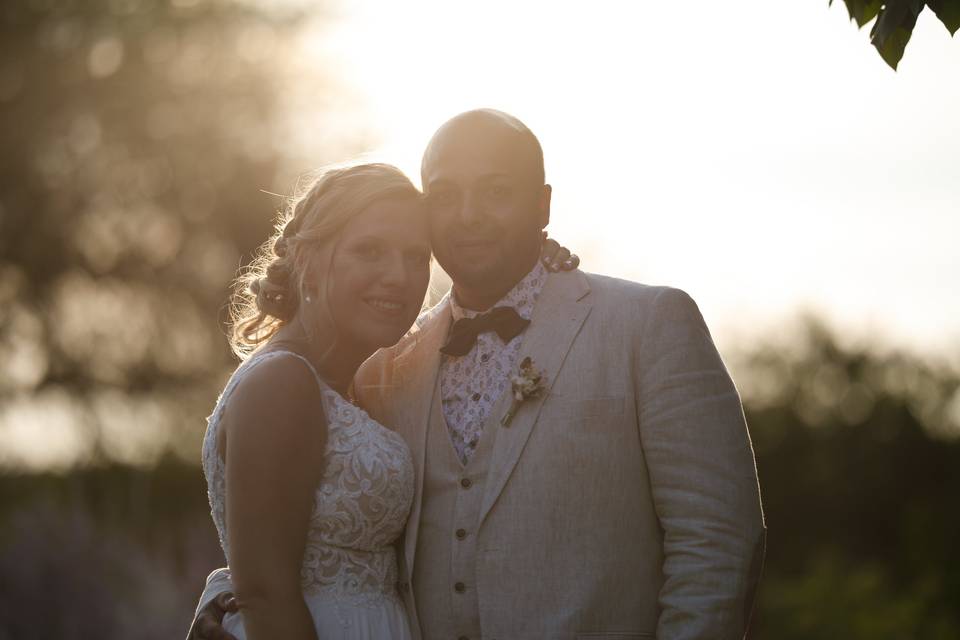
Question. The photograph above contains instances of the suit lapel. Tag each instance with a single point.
(557, 318)
(415, 376)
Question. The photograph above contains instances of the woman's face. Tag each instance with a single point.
(379, 274)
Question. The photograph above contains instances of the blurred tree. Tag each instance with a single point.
(896, 20)
(858, 454)
(137, 135)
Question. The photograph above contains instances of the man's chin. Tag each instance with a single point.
(474, 274)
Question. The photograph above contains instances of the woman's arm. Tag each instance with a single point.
(275, 438)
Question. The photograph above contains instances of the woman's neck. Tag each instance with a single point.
(335, 363)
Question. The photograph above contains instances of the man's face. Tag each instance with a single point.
(486, 208)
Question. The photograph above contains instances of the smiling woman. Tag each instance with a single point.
(379, 272)
(307, 492)
(356, 236)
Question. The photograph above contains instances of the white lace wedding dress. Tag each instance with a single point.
(349, 571)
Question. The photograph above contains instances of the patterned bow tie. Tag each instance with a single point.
(504, 320)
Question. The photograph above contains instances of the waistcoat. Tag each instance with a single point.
(444, 578)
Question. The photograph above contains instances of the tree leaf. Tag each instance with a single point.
(893, 29)
(867, 11)
(862, 11)
(949, 13)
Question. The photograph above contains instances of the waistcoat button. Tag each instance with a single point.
(459, 587)
(466, 483)
(461, 534)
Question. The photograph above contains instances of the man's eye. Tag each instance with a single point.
(420, 259)
(498, 191)
(441, 197)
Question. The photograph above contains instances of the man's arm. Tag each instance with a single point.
(702, 473)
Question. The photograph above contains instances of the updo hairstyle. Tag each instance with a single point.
(267, 293)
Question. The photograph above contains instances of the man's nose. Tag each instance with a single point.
(471, 211)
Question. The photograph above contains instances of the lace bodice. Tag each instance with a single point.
(360, 506)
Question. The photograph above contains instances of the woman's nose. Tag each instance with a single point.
(395, 270)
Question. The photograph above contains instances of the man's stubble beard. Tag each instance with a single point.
(498, 276)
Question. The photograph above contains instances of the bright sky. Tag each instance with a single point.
(759, 155)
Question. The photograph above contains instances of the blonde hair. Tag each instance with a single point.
(267, 293)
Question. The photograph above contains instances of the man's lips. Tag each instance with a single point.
(474, 243)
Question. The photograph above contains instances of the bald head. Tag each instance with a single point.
(508, 133)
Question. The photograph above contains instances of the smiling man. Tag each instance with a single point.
(622, 501)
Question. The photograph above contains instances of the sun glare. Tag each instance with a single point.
(737, 162)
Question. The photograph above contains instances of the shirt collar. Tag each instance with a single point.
(523, 296)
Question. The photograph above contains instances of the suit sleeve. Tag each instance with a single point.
(218, 582)
(702, 474)
(374, 374)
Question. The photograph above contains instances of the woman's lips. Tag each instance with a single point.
(386, 306)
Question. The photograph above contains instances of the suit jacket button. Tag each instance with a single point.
(466, 483)
(459, 587)
(461, 534)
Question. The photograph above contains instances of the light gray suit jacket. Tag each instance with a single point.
(624, 502)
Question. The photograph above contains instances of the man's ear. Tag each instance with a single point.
(543, 205)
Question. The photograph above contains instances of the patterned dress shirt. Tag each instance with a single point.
(470, 385)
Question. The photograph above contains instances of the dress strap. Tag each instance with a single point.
(316, 376)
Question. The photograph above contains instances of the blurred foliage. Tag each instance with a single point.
(896, 19)
(137, 137)
(858, 454)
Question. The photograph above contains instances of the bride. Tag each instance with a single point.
(307, 492)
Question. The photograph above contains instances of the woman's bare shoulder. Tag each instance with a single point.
(279, 387)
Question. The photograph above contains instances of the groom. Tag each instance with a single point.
(620, 499)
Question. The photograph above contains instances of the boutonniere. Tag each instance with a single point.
(527, 383)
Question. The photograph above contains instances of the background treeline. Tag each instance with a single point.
(859, 478)
(137, 136)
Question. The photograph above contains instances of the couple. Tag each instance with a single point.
(545, 455)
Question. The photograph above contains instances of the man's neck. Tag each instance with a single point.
(481, 300)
